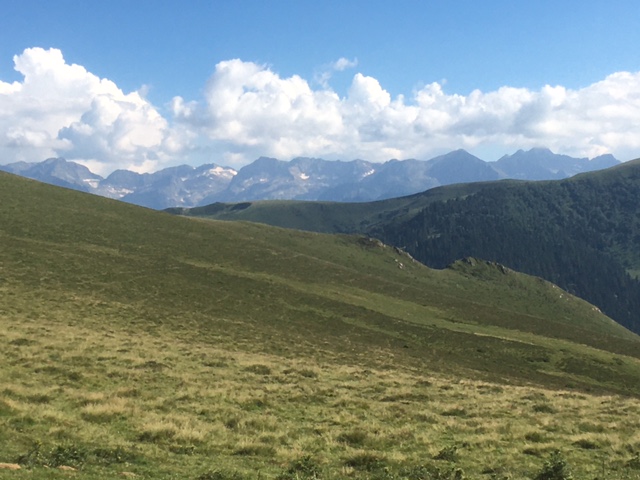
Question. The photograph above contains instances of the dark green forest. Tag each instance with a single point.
(582, 234)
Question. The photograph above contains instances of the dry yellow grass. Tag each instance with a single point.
(190, 399)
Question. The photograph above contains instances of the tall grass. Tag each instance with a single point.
(212, 402)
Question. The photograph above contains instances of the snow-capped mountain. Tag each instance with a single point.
(57, 171)
(184, 185)
(304, 178)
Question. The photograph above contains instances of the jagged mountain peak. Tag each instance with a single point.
(305, 178)
(542, 164)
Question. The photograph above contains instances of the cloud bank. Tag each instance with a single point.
(248, 110)
(64, 110)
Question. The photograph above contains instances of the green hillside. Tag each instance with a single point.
(328, 217)
(141, 343)
(582, 233)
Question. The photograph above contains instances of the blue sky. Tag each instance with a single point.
(337, 79)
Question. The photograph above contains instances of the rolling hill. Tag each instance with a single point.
(581, 233)
(141, 343)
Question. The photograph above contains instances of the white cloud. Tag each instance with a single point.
(344, 63)
(64, 110)
(248, 110)
(253, 111)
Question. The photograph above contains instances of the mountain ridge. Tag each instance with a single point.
(304, 178)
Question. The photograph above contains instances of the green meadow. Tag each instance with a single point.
(581, 233)
(137, 344)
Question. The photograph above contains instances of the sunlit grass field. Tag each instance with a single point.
(163, 404)
(138, 344)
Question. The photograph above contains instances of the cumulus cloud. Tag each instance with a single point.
(249, 110)
(253, 111)
(64, 110)
(344, 63)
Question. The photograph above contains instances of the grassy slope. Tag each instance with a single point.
(591, 195)
(581, 233)
(139, 341)
(586, 203)
(332, 217)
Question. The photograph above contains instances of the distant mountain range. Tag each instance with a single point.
(304, 178)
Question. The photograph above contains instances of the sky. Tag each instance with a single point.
(147, 84)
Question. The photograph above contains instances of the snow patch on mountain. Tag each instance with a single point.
(221, 172)
(92, 182)
(304, 178)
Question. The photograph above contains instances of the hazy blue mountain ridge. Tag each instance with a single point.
(543, 164)
(57, 171)
(304, 178)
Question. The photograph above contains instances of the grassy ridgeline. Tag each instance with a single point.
(165, 347)
(581, 233)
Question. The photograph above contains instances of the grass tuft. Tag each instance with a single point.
(555, 468)
(367, 461)
(354, 438)
(449, 454)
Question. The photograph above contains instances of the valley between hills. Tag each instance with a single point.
(142, 344)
